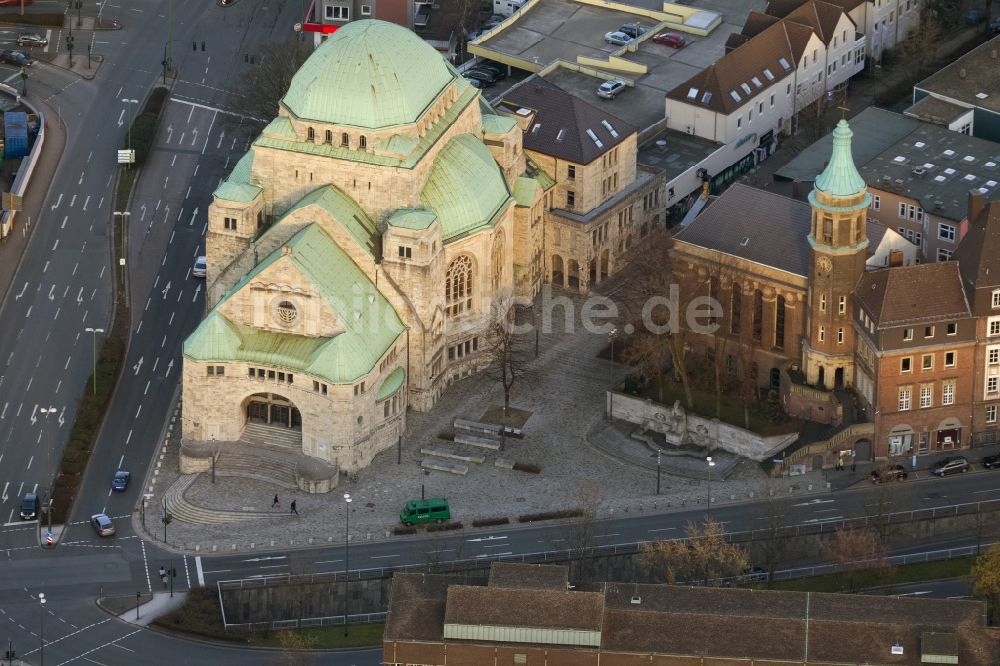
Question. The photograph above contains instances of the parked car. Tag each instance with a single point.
(673, 39)
(973, 17)
(120, 480)
(995, 26)
(200, 268)
(102, 524)
(891, 473)
(992, 462)
(755, 575)
(31, 39)
(611, 89)
(431, 510)
(633, 30)
(474, 83)
(617, 38)
(951, 465)
(15, 58)
(485, 80)
(499, 71)
(489, 74)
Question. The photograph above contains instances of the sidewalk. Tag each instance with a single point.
(150, 607)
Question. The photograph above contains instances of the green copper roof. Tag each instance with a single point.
(466, 95)
(841, 177)
(368, 74)
(237, 186)
(465, 187)
(391, 384)
(344, 210)
(494, 124)
(412, 218)
(370, 325)
(281, 127)
(524, 191)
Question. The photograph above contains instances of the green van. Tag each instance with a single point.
(433, 510)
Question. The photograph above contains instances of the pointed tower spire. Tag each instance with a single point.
(840, 178)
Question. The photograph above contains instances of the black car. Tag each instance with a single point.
(15, 58)
(492, 76)
(992, 462)
(475, 84)
(496, 70)
(485, 80)
(633, 30)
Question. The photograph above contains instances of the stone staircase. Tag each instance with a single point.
(271, 464)
(268, 435)
(182, 510)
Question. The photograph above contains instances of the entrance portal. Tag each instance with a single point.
(273, 409)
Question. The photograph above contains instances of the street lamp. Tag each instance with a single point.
(658, 472)
(46, 412)
(130, 102)
(41, 628)
(125, 216)
(95, 331)
(711, 464)
(612, 336)
(347, 558)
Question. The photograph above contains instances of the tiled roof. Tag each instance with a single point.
(913, 294)
(536, 576)
(755, 225)
(820, 16)
(565, 126)
(756, 23)
(978, 255)
(511, 607)
(964, 80)
(782, 8)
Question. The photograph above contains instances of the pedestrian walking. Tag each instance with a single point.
(275, 504)
(163, 576)
(294, 510)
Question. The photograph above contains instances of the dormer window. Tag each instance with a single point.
(311, 134)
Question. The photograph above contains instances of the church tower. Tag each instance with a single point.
(838, 242)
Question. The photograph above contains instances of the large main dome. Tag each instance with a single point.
(368, 74)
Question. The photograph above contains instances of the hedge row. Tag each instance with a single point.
(444, 527)
(527, 467)
(549, 515)
(490, 522)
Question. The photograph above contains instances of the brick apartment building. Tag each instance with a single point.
(815, 302)
(528, 614)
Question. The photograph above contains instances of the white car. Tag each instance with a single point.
(617, 38)
(200, 267)
(610, 89)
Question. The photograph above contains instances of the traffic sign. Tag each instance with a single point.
(126, 157)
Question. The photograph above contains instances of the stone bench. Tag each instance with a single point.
(454, 454)
(488, 443)
(444, 466)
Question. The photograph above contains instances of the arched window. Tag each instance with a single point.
(758, 315)
(497, 259)
(362, 142)
(329, 137)
(779, 323)
(458, 286)
(344, 140)
(311, 134)
(286, 313)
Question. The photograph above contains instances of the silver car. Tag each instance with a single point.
(610, 89)
(618, 38)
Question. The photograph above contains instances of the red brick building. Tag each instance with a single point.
(528, 614)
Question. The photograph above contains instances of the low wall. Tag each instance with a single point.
(681, 427)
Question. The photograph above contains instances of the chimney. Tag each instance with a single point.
(895, 258)
(976, 204)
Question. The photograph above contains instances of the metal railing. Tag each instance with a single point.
(332, 620)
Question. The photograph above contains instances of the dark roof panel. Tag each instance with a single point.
(913, 294)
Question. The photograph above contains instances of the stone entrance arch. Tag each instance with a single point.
(271, 409)
(558, 277)
(573, 274)
(863, 450)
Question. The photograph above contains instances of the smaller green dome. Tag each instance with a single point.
(369, 74)
(840, 177)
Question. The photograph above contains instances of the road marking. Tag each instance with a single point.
(478, 557)
(497, 545)
(201, 574)
(914, 594)
(990, 490)
(99, 647)
(58, 201)
(331, 561)
(208, 135)
(273, 566)
(211, 572)
(382, 557)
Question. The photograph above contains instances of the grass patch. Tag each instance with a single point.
(53, 20)
(201, 616)
(907, 573)
(125, 180)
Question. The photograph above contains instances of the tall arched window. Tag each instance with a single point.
(458, 286)
(497, 259)
(311, 134)
(344, 140)
(329, 137)
(779, 323)
(362, 142)
(758, 315)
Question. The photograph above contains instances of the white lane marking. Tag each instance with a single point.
(201, 574)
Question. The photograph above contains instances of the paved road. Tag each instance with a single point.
(951, 588)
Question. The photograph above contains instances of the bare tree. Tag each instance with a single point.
(579, 535)
(269, 79)
(986, 581)
(856, 550)
(659, 334)
(772, 545)
(704, 555)
(506, 349)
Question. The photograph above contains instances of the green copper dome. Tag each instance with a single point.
(840, 177)
(368, 74)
